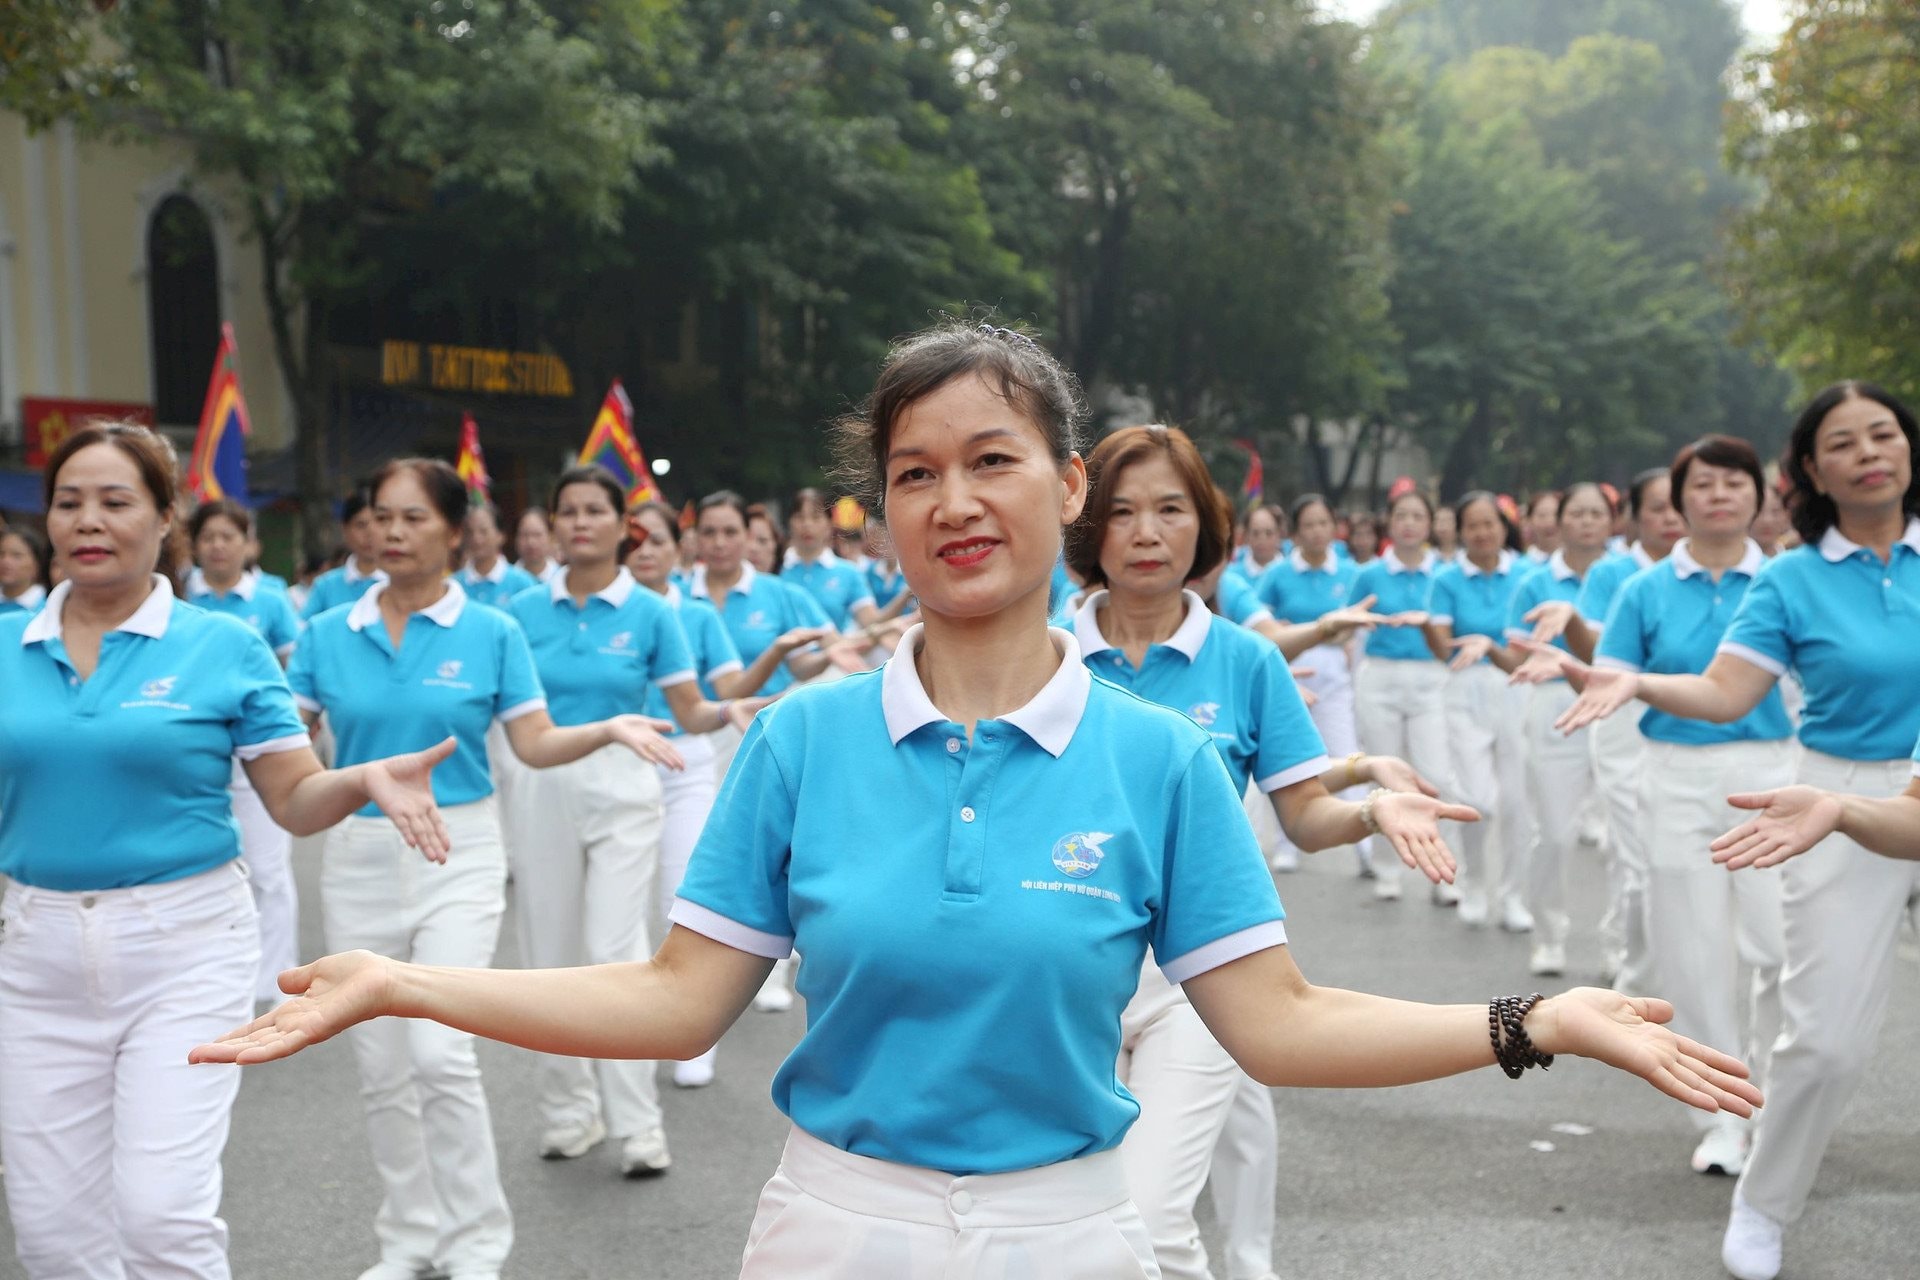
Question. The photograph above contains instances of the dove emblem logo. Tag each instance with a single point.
(450, 669)
(1079, 855)
(1204, 713)
(158, 688)
(619, 639)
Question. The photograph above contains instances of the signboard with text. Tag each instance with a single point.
(48, 422)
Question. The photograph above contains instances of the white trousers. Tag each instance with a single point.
(1619, 759)
(1486, 725)
(1559, 784)
(111, 1141)
(1843, 908)
(427, 1116)
(268, 852)
(1185, 1084)
(586, 853)
(687, 796)
(1705, 925)
(1246, 1179)
(1332, 687)
(1401, 707)
(830, 1215)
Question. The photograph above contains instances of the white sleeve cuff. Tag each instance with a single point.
(1616, 664)
(519, 709)
(1225, 951)
(674, 678)
(1297, 773)
(1440, 619)
(722, 929)
(1771, 666)
(273, 746)
(726, 668)
(305, 703)
(1519, 633)
(1258, 616)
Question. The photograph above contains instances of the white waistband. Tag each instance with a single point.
(167, 893)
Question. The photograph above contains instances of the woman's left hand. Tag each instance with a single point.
(1629, 1033)
(1396, 774)
(402, 786)
(1791, 821)
(1411, 824)
(646, 737)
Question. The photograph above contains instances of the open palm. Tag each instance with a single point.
(1791, 821)
(1630, 1033)
(402, 786)
(331, 994)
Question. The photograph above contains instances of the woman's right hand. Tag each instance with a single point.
(1470, 651)
(331, 994)
(1791, 821)
(1549, 619)
(1603, 691)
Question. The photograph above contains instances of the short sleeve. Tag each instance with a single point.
(858, 592)
(520, 691)
(280, 626)
(735, 890)
(301, 677)
(1759, 632)
(805, 610)
(1517, 606)
(264, 719)
(1217, 898)
(1597, 594)
(1623, 643)
(672, 657)
(1443, 605)
(1290, 749)
(717, 656)
(1269, 591)
(317, 598)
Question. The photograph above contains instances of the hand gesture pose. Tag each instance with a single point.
(1468, 651)
(403, 788)
(1630, 1033)
(331, 994)
(1543, 663)
(646, 738)
(1791, 821)
(1550, 620)
(1339, 622)
(1408, 618)
(1410, 822)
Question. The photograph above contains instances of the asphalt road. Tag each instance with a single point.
(1437, 1181)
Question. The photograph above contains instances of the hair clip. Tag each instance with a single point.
(1013, 336)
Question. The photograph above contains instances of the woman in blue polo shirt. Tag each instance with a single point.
(220, 532)
(585, 837)
(414, 660)
(1559, 767)
(1840, 612)
(1153, 518)
(837, 587)
(23, 571)
(128, 922)
(1485, 713)
(348, 582)
(954, 1101)
(486, 576)
(1399, 693)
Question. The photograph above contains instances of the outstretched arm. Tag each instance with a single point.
(1794, 819)
(304, 797)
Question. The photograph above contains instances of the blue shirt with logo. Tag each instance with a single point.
(1669, 620)
(1401, 589)
(708, 645)
(343, 584)
(836, 586)
(1229, 681)
(496, 590)
(260, 607)
(1473, 601)
(758, 611)
(121, 779)
(1605, 579)
(606, 659)
(964, 982)
(457, 670)
(1297, 592)
(1849, 627)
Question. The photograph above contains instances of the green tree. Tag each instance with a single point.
(53, 65)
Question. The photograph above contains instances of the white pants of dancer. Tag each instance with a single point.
(1246, 1179)
(687, 796)
(1559, 783)
(586, 853)
(111, 1141)
(268, 852)
(1185, 1084)
(1843, 907)
(1401, 707)
(1619, 759)
(1705, 925)
(830, 1215)
(1332, 687)
(1486, 727)
(427, 1116)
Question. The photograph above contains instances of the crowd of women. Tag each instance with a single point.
(663, 735)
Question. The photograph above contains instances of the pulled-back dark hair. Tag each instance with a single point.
(593, 473)
(36, 547)
(1512, 539)
(152, 455)
(446, 491)
(1729, 452)
(1305, 501)
(1009, 361)
(227, 509)
(1813, 512)
(1637, 491)
(1123, 449)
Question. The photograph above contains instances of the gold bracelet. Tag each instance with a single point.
(1353, 770)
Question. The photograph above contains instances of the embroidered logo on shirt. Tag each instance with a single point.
(619, 639)
(1204, 713)
(450, 669)
(756, 621)
(1079, 854)
(158, 688)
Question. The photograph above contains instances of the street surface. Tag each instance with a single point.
(1437, 1181)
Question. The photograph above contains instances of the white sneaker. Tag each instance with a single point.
(1446, 895)
(1722, 1151)
(1751, 1247)
(1387, 888)
(695, 1073)
(644, 1155)
(1285, 861)
(1473, 909)
(1549, 960)
(1364, 856)
(1515, 918)
(572, 1142)
(775, 996)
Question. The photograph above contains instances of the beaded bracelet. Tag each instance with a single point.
(1515, 1052)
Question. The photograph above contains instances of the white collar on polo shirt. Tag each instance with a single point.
(614, 593)
(1427, 563)
(1188, 637)
(32, 596)
(445, 610)
(672, 593)
(1685, 566)
(1050, 719)
(149, 620)
(495, 575)
(825, 558)
(1836, 546)
(197, 584)
(353, 573)
(697, 584)
(1640, 556)
(1300, 565)
(1558, 566)
(1472, 570)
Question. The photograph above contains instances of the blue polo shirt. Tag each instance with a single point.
(1669, 619)
(1239, 602)
(1473, 601)
(271, 581)
(1401, 589)
(254, 603)
(964, 987)
(885, 585)
(1554, 580)
(121, 779)
(497, 589)
(458, 669)
(708, 646)
(28, 601)
(758, 611)
(836, 586)
(1229, 681)
(1605, 579)
(343, 584)
(1297, 592)
(1849, 627)
(606, 659)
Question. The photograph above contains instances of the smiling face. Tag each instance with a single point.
(105, 526)
(1861, 459)
(416, 542)
(221, 549)
(588, 525)
(1152, 528)
(975, 501)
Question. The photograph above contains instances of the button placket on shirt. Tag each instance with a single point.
(972, 769)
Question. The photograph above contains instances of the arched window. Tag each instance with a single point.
(183, 302)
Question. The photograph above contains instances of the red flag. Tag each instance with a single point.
(611, 444)
(219, 465)
(472, 465)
